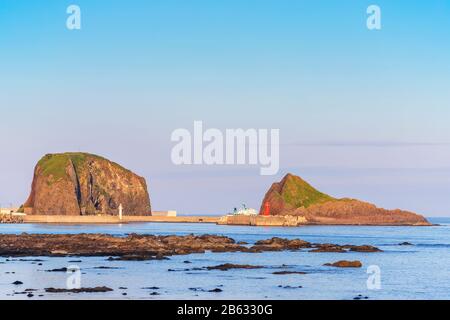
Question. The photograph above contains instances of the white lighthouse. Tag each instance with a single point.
(120, 211)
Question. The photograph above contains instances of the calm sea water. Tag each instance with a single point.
(421, 271)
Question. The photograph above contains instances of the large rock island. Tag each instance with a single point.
(293, 196)
(85, 184)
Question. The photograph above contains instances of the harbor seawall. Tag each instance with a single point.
(269, 221)
(60, 219)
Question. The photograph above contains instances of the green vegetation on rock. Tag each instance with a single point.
(55, 165)
(298, 193)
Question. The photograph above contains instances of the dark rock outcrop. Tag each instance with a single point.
(288, 272)
(78, 290)
(228, 266)
(293, 196)
(133, 247)
(280, 244)
(363, 248)
(345, 264)
(85, 184)
(136, 247)
(328, 247)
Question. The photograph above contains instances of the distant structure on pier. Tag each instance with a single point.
(170, 213)
(244, 211)
(8, 210)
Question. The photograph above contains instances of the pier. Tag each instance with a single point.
(104, 219)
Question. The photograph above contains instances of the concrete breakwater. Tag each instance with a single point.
(106, 219)
(268, 221)
(273, 221)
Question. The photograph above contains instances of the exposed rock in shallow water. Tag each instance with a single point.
(228, 266)
(132, 247)
(345, 264)
(80, 290)
(58, 270)
(30, 260)
(288, 272)
(328, 247)
(289, 287)
(135, 257)
(145, 247)
(364, 248)
(279, 244)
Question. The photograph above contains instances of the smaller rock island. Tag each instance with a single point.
(294, 197)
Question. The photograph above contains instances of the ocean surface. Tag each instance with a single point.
(421, 271)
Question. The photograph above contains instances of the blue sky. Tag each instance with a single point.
(361, 113)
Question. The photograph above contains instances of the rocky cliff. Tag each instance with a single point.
(294, 196)
(85, 184)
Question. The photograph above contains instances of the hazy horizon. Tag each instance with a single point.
(362, 114)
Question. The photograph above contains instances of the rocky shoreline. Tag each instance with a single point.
(136, 247)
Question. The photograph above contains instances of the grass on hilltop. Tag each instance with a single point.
(55, 164)
(298, 193)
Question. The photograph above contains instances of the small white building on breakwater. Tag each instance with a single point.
(8, 210)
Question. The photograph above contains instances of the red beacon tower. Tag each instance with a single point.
(266, 211)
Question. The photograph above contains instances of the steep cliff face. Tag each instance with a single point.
(294, 196)
(85, 184)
